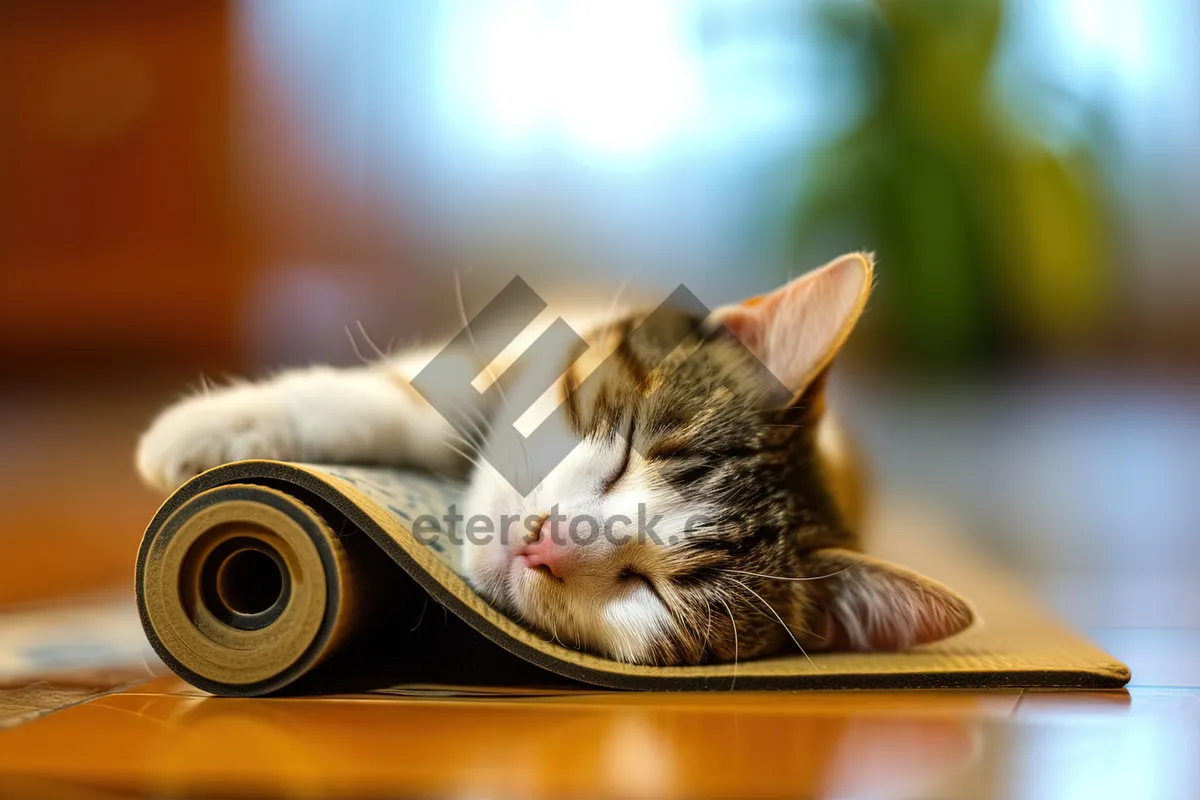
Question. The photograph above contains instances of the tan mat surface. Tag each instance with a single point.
(259, 576)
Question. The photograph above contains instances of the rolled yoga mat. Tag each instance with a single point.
(259, 577)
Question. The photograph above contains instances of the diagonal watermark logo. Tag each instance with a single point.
(451, 391)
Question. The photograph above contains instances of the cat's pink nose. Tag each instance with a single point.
(548, 551)
(545, 554)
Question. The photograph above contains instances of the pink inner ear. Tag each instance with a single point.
(743, 322)
(886, 608)
(796, 330)
(875, 605)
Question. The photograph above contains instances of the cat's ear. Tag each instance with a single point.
(796, 330)
(871, 604)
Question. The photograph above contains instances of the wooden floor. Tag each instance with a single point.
(163, 739)
(98, 719)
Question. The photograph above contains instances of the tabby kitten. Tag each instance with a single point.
(704, 510)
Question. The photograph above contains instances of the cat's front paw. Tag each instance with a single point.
(209, 430)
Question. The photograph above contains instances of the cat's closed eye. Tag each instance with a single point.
(630, 574)
(623, 466)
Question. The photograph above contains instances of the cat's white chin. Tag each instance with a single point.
(622, 621)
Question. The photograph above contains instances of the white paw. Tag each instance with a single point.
(209, 430)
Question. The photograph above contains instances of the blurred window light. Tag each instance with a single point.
(612, 82)
(616, 80)
(640, 131)
(1122, 57)
(661, 132)
(1122, 79)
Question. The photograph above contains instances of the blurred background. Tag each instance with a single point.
(224, 187)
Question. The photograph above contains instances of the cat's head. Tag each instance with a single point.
(694, 519)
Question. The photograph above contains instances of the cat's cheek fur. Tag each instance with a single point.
(636, 624)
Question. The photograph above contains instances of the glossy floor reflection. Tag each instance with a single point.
(166, 739)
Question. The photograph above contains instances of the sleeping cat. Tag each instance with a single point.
(710, 430)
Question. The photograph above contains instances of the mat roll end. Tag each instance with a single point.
(243, 589)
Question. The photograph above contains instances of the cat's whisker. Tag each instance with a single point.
(554, 633)
(733, 622)
(354, 344)
(783, 578)
(458, 436)
(528, 463)
(471, 419)
(366, 337)
(612, 306)
(421, 618)
(761, 395)
(472, 459)
(478, 415)
(475, 428)
(474, 448)
(683, 617)
(462, 312)
(481, 421)
(708, 626)
(780, 619)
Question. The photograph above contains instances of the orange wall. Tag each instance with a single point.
(118, 230)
